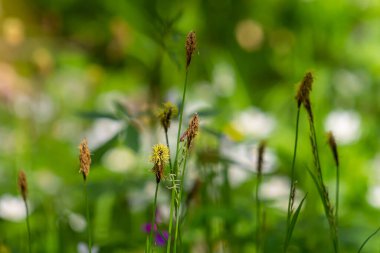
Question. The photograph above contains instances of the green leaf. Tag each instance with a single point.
(98, 153)
(293, 223)
(121, 108)
(132, 138)
(97, 115)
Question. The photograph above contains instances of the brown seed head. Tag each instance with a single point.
(22, 184)
(84, 159)
(260, 157)
(303, 93)
(332, 143)
(191, 131)
(166, 113)
(191, 44)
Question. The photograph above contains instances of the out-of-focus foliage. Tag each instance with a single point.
(100, 69)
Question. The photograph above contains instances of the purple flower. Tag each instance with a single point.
(160, 237)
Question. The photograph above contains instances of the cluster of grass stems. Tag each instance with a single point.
(161, 158)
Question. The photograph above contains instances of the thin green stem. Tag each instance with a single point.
(167, 144)
(367, 239)
(180, 122)
(292, 182)
(337, 204)
(153, 224)
(171, 219)
(258, 214)
(28, 226)
(179, 202)
(88, 217)
(324, 194)
(175, 169)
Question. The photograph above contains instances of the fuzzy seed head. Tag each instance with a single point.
(192, 131)
(84, 159)
(159, 158)
(191, 45)
(303, 93)
(332, 143)
(166, 113)
(22, 184)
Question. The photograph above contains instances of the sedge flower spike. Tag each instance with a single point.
(22, 184)
(84, 159)
(159, 158)
(166, 113)
(303, 93)
(332, 143)
(191, 132)
(191, 45)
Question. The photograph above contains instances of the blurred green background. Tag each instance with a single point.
(100, 69)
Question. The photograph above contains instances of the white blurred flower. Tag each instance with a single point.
(223, 80)
(238, 175)
(277, 189)
(163, 213)
(12, 208)
(245, 158)
(102, 131)
(47, 181)
(345, 125)
(255, 123)
(139, 198)
(119, 159)
(349, 83)
(77, 222)
(194, 106)
(373, 196)
(41, 108)
(83, 248)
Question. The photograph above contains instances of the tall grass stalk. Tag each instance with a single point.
(28, 227)
(153, 223)
(289, 228)
(189, 136)
(258, 213)
(175, 165)
(180, 194)
(259, 225)
(303, 97)
(23, 187)
(84, 169)
(292, 179)
(190, 48)
(334, 149)
(159, 158)
(318, 180)
(87, 216)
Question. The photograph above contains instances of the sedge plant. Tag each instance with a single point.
(159, 158)
(23, 187)
(190, 47)
(292, 214)
(188, 136)
(334, 149)
(259, 225)
(303, 97)
(84, 169)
